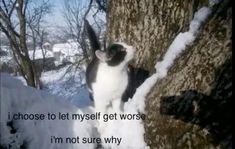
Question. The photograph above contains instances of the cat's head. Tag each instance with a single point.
(116, 54)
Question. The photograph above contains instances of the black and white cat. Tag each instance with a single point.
(107, 76)
(110, 79)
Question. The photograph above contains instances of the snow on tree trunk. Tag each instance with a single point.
(191, 106)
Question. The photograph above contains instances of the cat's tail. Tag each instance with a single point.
(94, 41)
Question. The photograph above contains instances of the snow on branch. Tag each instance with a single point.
(178, 45)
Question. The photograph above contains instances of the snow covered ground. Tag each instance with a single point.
(38, 54)
(36, 134)
(69, 83)
(69, 51)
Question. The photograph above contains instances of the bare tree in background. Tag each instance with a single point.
(15, 20)
(38, 33)
(75, 12)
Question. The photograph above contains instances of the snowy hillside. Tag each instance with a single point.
(69, 51)
(38, 54)
(36, 134)
(68, 82)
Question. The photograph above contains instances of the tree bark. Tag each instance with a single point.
(191, 106)
(149, 25)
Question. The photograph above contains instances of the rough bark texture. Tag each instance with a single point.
(149, 25)
(191, 107)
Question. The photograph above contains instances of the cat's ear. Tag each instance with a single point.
(101, 55)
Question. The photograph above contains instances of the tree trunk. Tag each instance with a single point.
(28, 69)
(150, 25)
(191, 106)
(24, 63)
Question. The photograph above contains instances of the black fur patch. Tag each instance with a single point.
(91, 72)
(116, 53)
(94, 42)
(136, 76)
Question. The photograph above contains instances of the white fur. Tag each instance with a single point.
(108, 88)
(111, 82)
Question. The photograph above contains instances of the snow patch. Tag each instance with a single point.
(68, 82)
(181, 41)
(69, 51)
(35, 133)
(39, 54)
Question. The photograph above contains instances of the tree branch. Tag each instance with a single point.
(5, 6)
(101, 6)
(88, 10)
(25, 6)
(22, 22)
(12, 9)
